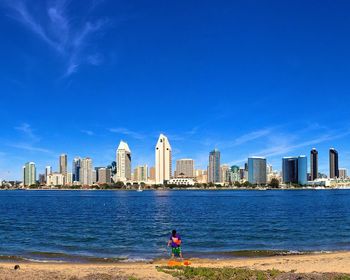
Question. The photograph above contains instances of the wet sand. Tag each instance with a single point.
(331, 262)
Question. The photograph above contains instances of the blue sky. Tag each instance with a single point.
(267, 78)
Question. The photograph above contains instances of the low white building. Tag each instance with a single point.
(181, 181)
(55, 179)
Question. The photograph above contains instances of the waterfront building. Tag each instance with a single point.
(235, 174)
(201, 176)
(152, 174)
(55, 179)
(29, 174)
(257, 170)
(63, 164)
(333, 164)
(123, 160)
(42, 179)
(48, 171)
(96, 178)
(104, 175)
(343, 173)
(181, 181)
(76, 169)
(290, 170)
(313, 164)
(242, 173)
(294, 170)
(68, 179)
(214, 167)
(184, 168)
(225, 173)
(141, 173)
(269, 169)
(85, 173)
(302, 170)
(163, 160)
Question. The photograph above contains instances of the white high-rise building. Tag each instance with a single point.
(85, 172)
(123, 160)
(163, 160)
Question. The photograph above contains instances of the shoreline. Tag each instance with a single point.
(44, 257)
(188, 189)
(335, 262)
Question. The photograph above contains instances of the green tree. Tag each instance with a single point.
(274, 183)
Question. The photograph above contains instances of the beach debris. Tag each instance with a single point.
(17, 267)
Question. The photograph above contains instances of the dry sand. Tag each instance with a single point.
(333, 262)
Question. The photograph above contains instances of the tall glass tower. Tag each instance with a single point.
(294, 170)
(214, 167)
(257, 170)
(314, 164)
(290, 170)
(302, 170)
(76, 169)
(333, 163)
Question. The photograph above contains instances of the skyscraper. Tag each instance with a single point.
(48, 171)
(294, 170)
(85, 172)
(302, 170)
(333, 163)
(314, 164)
(184, 168)
(257, 170)
(163, 160)
(29, 174)
(123, 160)
(214, 167)
(290, 170)
(63, 164)
(76, 169)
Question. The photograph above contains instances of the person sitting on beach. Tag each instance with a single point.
(175, 243)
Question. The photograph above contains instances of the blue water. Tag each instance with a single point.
(93, 225)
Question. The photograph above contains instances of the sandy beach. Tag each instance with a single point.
(320, 263)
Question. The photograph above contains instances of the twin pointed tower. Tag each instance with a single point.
(163, 160)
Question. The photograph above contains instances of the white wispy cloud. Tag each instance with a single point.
(127, 132)
(282, 144)
(52, 24)
(27, 131)
(30, 148)
(28, 140)
(251, 136)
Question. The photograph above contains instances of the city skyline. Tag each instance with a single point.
(296, 170)
(208, 76)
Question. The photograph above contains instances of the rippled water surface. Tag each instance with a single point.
(114, 225)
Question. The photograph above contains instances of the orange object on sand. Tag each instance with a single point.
(173, 263)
